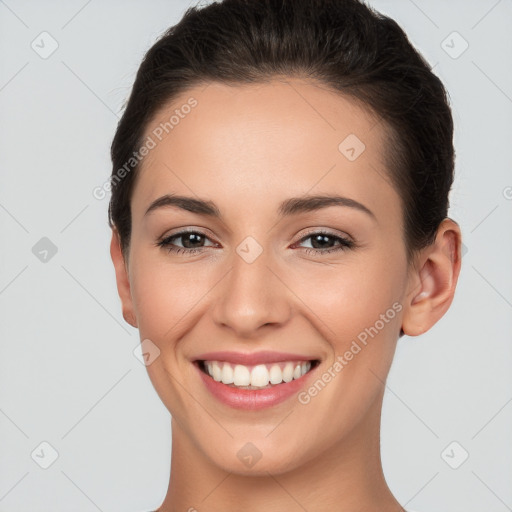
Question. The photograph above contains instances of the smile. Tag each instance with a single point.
(259, 376)
(254, 381)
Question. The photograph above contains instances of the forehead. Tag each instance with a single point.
(240, 143)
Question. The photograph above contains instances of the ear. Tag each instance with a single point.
(432, 282)
(122, 278)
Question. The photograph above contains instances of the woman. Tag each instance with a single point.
(279, 213)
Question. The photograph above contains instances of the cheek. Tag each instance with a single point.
(359, 305)
(166, 295)
(157, 294)
(352, 297)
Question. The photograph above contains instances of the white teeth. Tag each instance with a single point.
(276, 375)
(241, 376)
(216, 371)
(288, 372)
(227, 374)
(258, 376)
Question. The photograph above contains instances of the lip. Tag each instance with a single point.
(253, 399)
(254, 358)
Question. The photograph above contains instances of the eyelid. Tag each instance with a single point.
(188, 229)
(206, 232)
(345, 241)
(325, 231)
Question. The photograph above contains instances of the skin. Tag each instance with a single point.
(247, 148)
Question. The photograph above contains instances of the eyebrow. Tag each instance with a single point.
(292, 206)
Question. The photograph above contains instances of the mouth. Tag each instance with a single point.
(256, 376)
(257, 380)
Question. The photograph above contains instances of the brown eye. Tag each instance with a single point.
(322, 243)
(192, 242)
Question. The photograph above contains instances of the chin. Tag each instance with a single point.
(256, 458)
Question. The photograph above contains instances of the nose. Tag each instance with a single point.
(251, 296)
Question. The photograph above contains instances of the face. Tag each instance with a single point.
(266, 279)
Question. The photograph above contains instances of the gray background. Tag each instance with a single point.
(68, 373)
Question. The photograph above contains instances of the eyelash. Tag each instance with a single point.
(345, 243)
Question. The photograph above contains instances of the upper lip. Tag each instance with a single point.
(252, 358)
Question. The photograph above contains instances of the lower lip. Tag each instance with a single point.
(253, 399)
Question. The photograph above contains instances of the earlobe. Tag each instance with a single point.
(432, 288)
(122, 279)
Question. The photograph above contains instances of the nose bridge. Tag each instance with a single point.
(251, 296)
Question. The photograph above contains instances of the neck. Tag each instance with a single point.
(347, 477)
